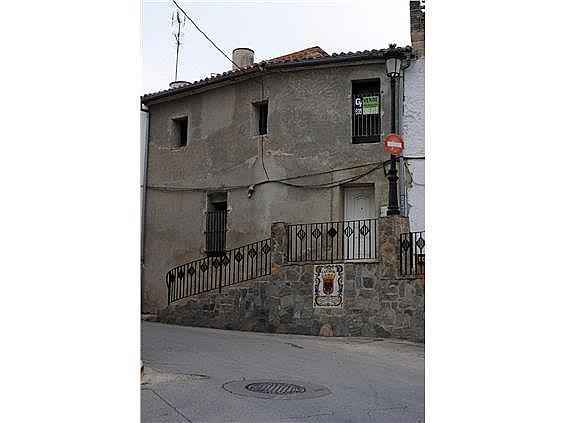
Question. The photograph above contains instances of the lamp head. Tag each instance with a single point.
(393, 58)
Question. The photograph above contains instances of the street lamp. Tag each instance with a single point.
(393, 61)
(393, 58)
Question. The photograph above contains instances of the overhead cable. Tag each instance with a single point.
(284, 181)
(204, 34)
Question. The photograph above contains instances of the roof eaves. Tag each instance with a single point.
(225, 76)
(265, 65)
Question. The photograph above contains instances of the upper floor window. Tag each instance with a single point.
(180, 132)
(366, 111)
(260, 117)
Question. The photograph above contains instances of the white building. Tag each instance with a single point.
(413, 123)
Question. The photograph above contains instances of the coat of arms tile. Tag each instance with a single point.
(328, 285)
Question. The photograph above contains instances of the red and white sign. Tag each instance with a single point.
(393, 144)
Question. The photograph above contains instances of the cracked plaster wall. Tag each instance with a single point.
(414, 137)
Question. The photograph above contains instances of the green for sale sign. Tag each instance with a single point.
(370, 105)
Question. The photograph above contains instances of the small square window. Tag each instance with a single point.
(260, 111)
(180, 132)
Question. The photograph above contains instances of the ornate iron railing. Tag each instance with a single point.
(412, 253)
(332, 241)
(233, 266)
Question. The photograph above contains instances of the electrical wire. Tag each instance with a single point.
(262, 135)
(204, 34)
(211, 41)
(331, 171)
(262, 156)
(283, 181)
(333, 184)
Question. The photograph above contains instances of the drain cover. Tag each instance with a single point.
(276, 389)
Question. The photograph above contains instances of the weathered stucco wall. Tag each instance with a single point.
(309, 130)
(414, 137)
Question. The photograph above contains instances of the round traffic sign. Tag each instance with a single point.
(393, 144)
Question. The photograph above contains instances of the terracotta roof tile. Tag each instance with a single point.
(308, 53)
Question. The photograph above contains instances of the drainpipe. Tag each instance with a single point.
(402, 185)
(145, 116)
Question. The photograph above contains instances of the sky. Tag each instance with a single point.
(271, 28)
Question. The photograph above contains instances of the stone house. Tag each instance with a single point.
(294, 139)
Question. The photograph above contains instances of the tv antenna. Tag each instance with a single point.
(179, 21)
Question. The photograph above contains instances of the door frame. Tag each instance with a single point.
(372, 188)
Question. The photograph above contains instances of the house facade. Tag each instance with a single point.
(288, 140)
(261, 172)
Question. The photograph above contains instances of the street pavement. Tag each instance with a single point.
(369, 379)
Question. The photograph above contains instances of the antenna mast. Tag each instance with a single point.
(180, 21)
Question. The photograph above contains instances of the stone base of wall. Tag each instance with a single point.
(284, 304)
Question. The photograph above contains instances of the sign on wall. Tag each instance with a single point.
(370, 105)
(366, 105)
(328, 285)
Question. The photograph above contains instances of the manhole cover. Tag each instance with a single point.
(276, 389)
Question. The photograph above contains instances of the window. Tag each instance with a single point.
(260, 111)
(366, 111)
(180, 132)
(216, 224)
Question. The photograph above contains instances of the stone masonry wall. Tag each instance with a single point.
(377, 302)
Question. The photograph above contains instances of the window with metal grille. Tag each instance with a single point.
(366, 111)
(216, 224)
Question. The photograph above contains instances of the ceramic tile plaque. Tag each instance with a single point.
(328, 285)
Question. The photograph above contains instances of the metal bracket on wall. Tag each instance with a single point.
(384, 164)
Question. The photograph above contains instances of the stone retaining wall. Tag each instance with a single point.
(377, 302)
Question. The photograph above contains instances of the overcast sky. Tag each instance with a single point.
(270, 28)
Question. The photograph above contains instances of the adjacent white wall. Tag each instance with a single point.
(413, 130)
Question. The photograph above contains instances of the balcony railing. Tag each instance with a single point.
(412, 254)
(332, 241)
(214, 272)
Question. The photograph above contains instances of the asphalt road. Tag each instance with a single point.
(369, 380)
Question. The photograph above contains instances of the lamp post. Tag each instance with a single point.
(393, 66)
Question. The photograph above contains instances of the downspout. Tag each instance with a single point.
(145, 137)
(402, 185)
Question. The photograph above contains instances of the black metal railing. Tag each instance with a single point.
(331, 241)
(412, 253)
(216, 228)
(233, 266)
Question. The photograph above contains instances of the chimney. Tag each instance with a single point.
(243, 57)
(417, 23)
